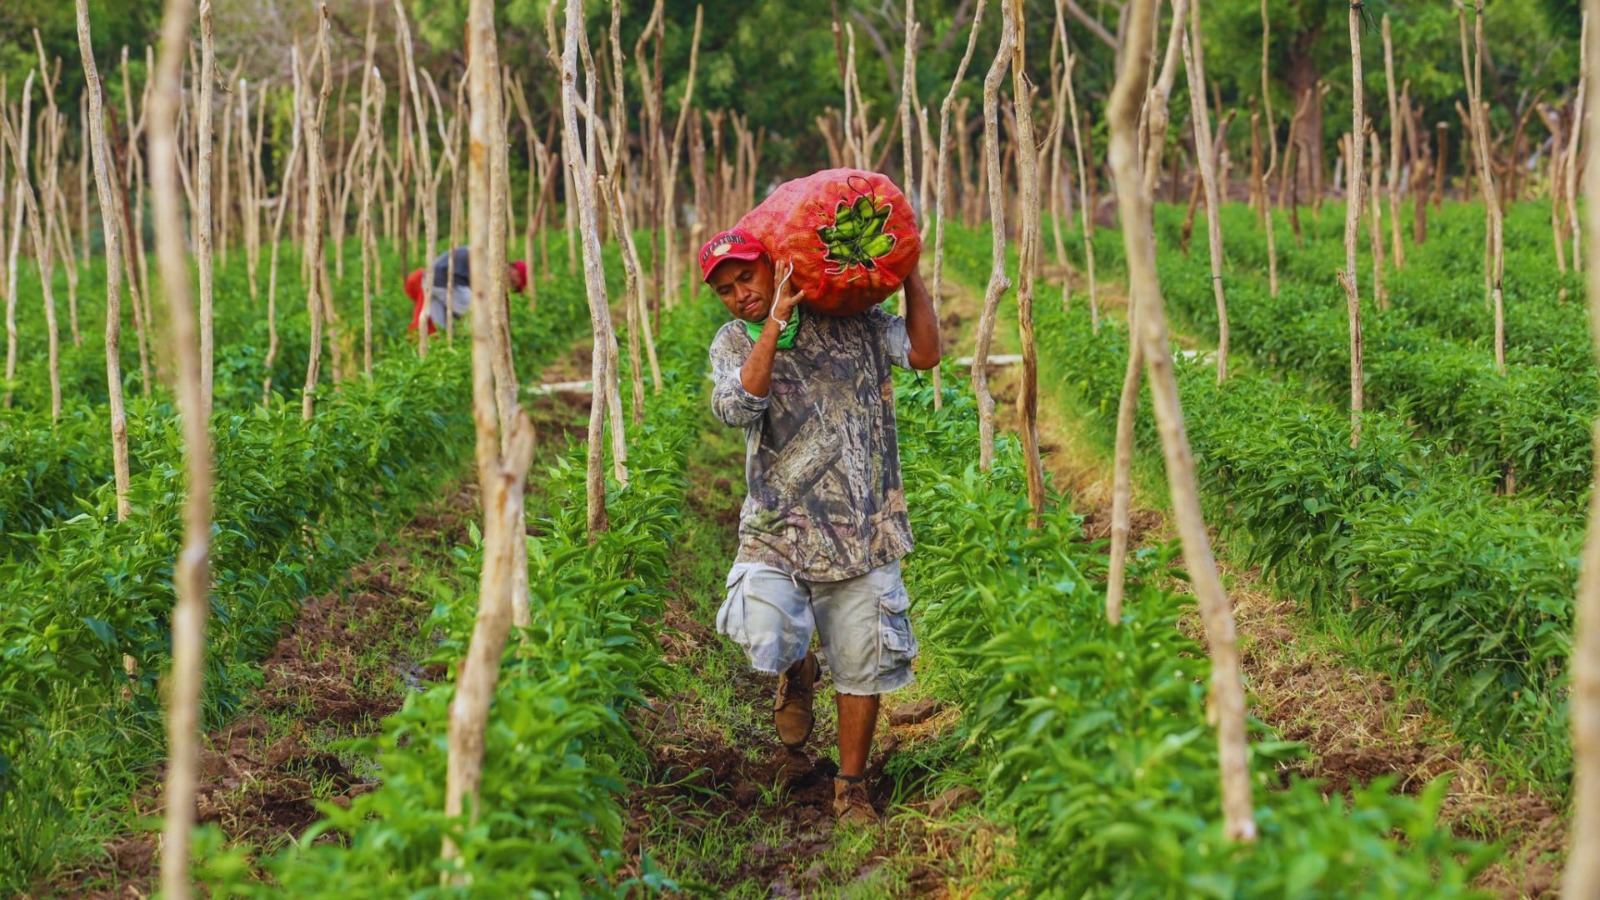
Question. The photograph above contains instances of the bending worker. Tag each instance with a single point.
(824, 525)
(452, 288)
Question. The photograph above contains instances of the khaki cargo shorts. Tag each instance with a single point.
(862, 622)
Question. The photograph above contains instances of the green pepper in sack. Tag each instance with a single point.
(851, 236)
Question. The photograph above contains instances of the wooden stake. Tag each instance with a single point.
(1375, 231)
(1272, 153)
(190, 576)
(503, 461)
(941, 192)
(15, 251)
(1028, 186)
(669, 175)
(580, 168)
(285, 189)
(1194, 67)
(1352, 223)
(1582, 875)
(204, 219)
(1571, 172)
(908, 92)
(425, 159)
(1227, 704)
(1085, 205)
(1494, 250)
(38, 228)
(316, 204)
(998, 282)
(108, 218)
(1156, 114)
(1394, 154)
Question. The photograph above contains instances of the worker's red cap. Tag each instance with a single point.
(520, 269)
(735, 243)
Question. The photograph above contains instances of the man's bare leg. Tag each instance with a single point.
(858, 717)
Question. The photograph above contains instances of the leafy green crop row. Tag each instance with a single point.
(1535, 419)
(45, 466)
(1469, 593)
(1093, 737)
(295, 504)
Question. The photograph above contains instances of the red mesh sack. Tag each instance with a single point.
(851, 236)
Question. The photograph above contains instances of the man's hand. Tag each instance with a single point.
(788, 298)
(756, 376)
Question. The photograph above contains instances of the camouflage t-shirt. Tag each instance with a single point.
(821, 455)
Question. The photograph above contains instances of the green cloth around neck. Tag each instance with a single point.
(785, 340)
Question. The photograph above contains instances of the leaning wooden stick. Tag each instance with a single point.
(1227, 703)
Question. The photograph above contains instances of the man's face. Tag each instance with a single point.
(745, 287)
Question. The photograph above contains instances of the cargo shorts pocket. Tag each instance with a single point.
(897, 645)
(730, 617)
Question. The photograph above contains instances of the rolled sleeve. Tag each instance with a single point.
(730, 402)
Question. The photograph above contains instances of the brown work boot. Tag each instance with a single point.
(851, 803)
(791, 712)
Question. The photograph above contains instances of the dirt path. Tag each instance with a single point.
(1358, 725)
(724, 809)
(346, 662)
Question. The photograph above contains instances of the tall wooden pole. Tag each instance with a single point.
(429, 212)
(1396, 122)
(502, 459)
(999, 283)
(109, 225)
(941, 194)
(1272, 153)
(316, 208)
(1227, 705)
(580, 166)
(1582, 875)
(1352, 223)
(191, 572)
(38, 228)
(203, 213)
(1194, 67)
(19, 165)
(1156, 114)
(1028, 189)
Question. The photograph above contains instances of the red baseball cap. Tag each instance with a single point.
(735, 243)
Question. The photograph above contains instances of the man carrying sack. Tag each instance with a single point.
(824, 525)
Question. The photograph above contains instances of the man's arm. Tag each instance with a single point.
(733, 405)
(922, 324)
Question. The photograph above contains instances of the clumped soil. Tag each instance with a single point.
(335, 672)
(1359, 728)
